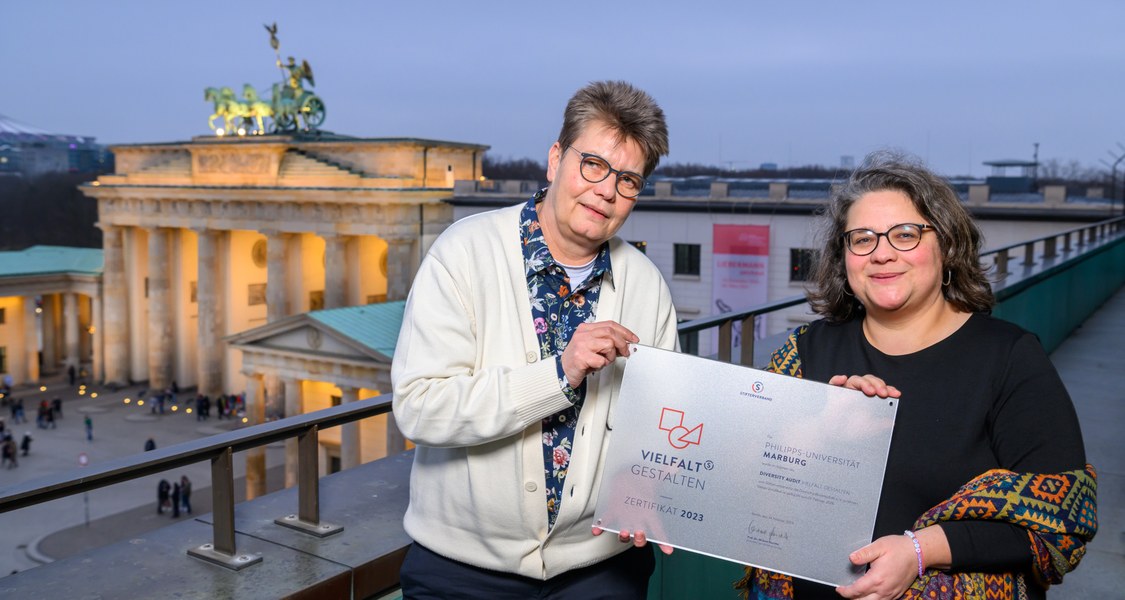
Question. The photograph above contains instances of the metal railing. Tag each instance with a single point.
(1046, 248)
(219, 449)
(1040, 251)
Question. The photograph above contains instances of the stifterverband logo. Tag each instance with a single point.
(679, 436)
(758, 387)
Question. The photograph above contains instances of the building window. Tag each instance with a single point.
(256, 294)
(194, 292)
(642, 246)
(316, 300)
(376, 298)
(1, 323)
(801, 263)
(336, 400)
(3, 359)
(689, 343)
(687, 259)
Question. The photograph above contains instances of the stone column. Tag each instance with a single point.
(349, 432)
(115, 319)
(70, 329)
(210, 320)
(335, 271)
(400, 267)
(49, 320)
(160, 336)
(277, 305)
(255, 457)
(277, 288)
(31, 338)
(96, 334)
(294, 405)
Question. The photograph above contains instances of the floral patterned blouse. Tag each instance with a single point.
(557, 311)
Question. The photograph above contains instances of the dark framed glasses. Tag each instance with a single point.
(902, 237)
(595, 169)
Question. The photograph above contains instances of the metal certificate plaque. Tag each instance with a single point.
(745, 465)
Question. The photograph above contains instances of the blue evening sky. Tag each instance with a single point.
(956, 82)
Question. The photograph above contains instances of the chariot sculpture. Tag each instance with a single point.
(290, 107)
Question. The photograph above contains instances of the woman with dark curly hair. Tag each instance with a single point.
(986, 487)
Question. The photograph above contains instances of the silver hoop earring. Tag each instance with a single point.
(948, 278)
(846, 292)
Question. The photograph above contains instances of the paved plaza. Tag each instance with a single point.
(114, 512)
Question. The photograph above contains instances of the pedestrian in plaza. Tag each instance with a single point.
(89, 429)
(221, 406)
(199, 415)
(150, 444)
(41, 415)
(56, 407)
(25, 443)
(8, 453)
(509, 402)
(206, 407)
(163, 489)
(2, 428)
(175, 500)
(185, 493)
(49, 416)
(70, 375)
(18, 415)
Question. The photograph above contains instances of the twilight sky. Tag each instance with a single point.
(793, 82)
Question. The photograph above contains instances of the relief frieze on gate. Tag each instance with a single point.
(229, 162)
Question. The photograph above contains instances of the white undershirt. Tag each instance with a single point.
(578, 275)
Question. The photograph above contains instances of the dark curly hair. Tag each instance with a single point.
(958, 236)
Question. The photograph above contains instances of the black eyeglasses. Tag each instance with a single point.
(595, 169)
(903, 237)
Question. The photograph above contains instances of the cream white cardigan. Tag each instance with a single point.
(470, 391)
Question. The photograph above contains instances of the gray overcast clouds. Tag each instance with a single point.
(742, 83)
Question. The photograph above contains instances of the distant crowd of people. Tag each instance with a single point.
(9, 451)
(225, 405)
(173, 496)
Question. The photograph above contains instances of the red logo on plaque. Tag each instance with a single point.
(679, 436)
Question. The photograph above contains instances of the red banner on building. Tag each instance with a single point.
(739, 271)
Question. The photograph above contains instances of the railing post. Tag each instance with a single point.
(725, 340)
(747, 358)
(1049, 247)
(307, 519)
(1029, 254)
(1066, 245)
(1002, 264)
(222, 550)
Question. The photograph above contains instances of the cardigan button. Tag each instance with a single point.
(531, 357)
(530, 486)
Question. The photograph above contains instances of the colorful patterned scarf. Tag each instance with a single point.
(1059, 512)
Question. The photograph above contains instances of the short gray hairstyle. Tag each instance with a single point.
(631, 112)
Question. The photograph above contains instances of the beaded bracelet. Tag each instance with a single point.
(917, 550)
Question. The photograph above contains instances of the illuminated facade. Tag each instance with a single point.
(216, 236)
